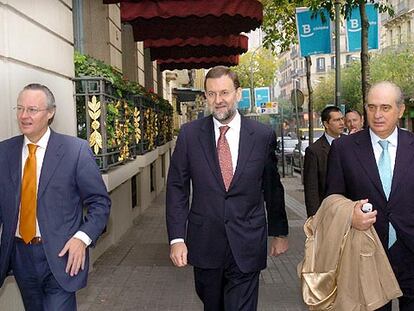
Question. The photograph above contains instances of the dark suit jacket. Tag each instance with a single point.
(70, 180)
(314, 174)
(353, 172)
(217, 217)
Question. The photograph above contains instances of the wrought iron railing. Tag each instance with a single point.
(119, 128)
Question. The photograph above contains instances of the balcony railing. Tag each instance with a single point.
(119, 128)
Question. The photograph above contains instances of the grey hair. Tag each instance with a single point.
(399, 96)
(50, 98)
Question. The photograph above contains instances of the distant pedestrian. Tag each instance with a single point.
(354, 121)
(230, 162)
(316, 158)
(377, 165)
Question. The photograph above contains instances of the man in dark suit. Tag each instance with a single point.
(316, 158)
(377, 165)
(46, 180)
(231, 164)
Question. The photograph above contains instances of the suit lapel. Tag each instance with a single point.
(15, 162)
(325, 145)
(208, 143)
(365, 155)
(53, 155)
(246, 145)
(403, 160)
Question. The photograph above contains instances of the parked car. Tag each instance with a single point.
(289, 145)
(297, 155)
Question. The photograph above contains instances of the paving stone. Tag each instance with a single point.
(136, 273)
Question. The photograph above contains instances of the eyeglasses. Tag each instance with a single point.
(31, 111)
(222, 94)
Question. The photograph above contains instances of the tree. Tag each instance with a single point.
(392, 65)
(260, 64)
(280, 14)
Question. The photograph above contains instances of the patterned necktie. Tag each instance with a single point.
(27, 227)
(224, 155)
(384, 167)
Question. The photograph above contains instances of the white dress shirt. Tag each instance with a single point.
(392, 146)
(40, 154)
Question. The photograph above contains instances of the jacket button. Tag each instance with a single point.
(226, 221)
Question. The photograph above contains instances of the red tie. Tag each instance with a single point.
(27, 227)
(224, 155)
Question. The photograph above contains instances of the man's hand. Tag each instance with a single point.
(76, 250)
(178, 254)
(278, 246)
(360, 220)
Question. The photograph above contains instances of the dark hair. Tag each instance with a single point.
(50, 98)
(326, 113)
(219, 71)
(353, 110)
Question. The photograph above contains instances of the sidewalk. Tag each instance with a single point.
(136, 274)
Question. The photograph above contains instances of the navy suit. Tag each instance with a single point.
(69, 181)
(220, 219)
(353, 172)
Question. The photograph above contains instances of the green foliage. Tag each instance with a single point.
(392, 65)
(86, 65)
(264, 65)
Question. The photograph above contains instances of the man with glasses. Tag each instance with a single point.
(46, 180)
(230, 162)
(376, 165)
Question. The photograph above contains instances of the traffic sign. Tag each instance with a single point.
(244, 103)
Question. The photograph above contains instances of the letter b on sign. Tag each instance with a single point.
(306, 29)
(354, 23)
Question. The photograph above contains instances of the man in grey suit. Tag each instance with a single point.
(376, 165)
(46, 180)
(316, 157)
(230, 162)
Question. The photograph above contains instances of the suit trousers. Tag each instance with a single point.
(227, 288)
(39, 289)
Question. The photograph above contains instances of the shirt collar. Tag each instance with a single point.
(392, 139)
(233, 124)
(42, 143)
(329, 138)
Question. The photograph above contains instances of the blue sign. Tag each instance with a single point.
(314, 34)
(244, 103)
(261, 95)
(353, 28)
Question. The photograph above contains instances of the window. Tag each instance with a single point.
(320, 64)
(332, 62)
(134, 197)
(348, 58)
(152, 176)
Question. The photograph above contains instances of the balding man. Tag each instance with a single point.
(376, 165)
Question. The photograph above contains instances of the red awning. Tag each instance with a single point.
(191, 18)
(197, 63)
(197, 47)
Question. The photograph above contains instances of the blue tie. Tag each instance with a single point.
(384, 167)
